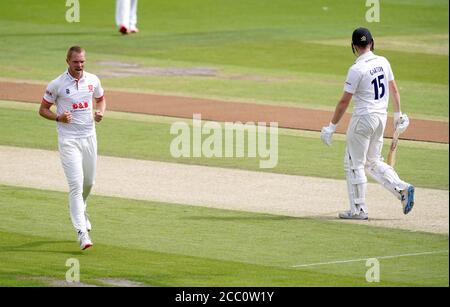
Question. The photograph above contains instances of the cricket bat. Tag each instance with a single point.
(393, 149)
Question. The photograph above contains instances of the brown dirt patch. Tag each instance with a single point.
(121, 69)
(114, 282)
(175, 106)
(118, 69)
(120, 282)
(53, 282)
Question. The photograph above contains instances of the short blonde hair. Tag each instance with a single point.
(74, 49)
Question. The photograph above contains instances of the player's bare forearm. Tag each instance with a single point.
(45, 111)
(100, 106)
(48, 114)
(341, 107)
(395, 94)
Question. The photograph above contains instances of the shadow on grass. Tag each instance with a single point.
(336, 218)
(242, 218)
(28, 247)
(325, 217)
(52, 34)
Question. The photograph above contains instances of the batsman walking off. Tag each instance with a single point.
(369, 82)
(72, 93)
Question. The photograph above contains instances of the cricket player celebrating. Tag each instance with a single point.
(369, 81)
(72, 93)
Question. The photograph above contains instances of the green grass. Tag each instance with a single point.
(175, 245)
(149, 138)
(310, 90)
(262, 51)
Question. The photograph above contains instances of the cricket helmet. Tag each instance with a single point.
(362, 37)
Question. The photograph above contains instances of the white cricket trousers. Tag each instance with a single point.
(363, 155)
(79, 161)
(126, 13)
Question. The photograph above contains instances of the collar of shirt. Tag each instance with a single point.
(74, 79)
(364, 56)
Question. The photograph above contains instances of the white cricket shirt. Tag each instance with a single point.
(75, 96)
(368, 81)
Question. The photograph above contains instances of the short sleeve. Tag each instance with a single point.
(352, 81)
(51, 92)
(98, 91)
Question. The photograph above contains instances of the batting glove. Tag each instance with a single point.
(326, 134)
(401, 122)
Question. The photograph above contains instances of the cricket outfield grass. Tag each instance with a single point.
(288, 53)
(284, 52)
(162, 244)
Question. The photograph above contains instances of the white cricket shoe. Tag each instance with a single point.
(85, 241)
(407, 199)
(349, 215)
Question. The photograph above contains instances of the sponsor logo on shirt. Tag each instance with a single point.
(80, 106)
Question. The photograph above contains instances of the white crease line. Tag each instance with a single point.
(364, 259)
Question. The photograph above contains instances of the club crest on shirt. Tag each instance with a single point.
(67, 91)
(91, 88)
